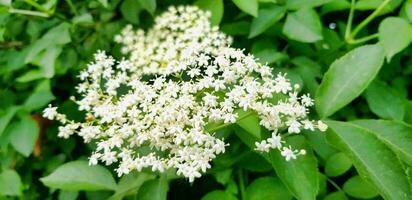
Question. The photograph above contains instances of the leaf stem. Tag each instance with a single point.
(241, 184)
(350, 19)
(38, 7)
(228, 124)
(28, 12)
(334, 184)
(367, 21)
(364, 39)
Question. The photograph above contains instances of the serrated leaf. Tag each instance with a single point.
(395, 34)
(300, 176)
(356, 187)
(347, 77)
(215, 7)
(267, 188)
(396, 135)
(303, 25)
(267, 17)
(374, 161)
(78, 175)
(248, 6)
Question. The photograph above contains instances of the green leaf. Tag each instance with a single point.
(384, 101)
(130, 183)
(396, 135)
(149, 5)
(298, 4)
(130, 11)
(317, 141)
(266, 52)
(40, 97)
(68, 195)
(356, 187)
(373, 4)
(219, 195)
(335, 5)
(246, 137)
(236, 28)
(24, 135)
(215, 7)
(154, 189)
(267, 17)
(253, 162)
(6, 117)
(374, 161)
(250, 122)
(300, 176)
(408, 112)
(267, 188)
(30, 75)
(337, 165)
(248, 6)
(336, 196)
(395, 34)
(78, 175)
(303, 25)
(44, 52)
(406, 10)
(347, 77)
(309, 71)
(10, 183)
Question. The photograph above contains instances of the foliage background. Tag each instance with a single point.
(354, 57)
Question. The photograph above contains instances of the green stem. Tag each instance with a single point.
(334, 184)
(28, 12)
(350, 19)
(212, 130)
(367, 20)
(38, 7)
(364, 39)
(72, 7)
(241, 184)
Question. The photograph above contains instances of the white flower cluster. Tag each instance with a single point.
(151, 110)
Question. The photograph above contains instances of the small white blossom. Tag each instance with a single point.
(178, 76)
(50, 112)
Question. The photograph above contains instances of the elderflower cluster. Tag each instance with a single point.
(177, 36)
(151, 110)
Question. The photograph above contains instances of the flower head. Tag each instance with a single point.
(150, 110)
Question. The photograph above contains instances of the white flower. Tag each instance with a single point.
(262, 146)
(322, 126)
(275, 141)
(288, 153)
(50, 112)
(179, 76)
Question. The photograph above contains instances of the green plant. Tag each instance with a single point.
(353, 57)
